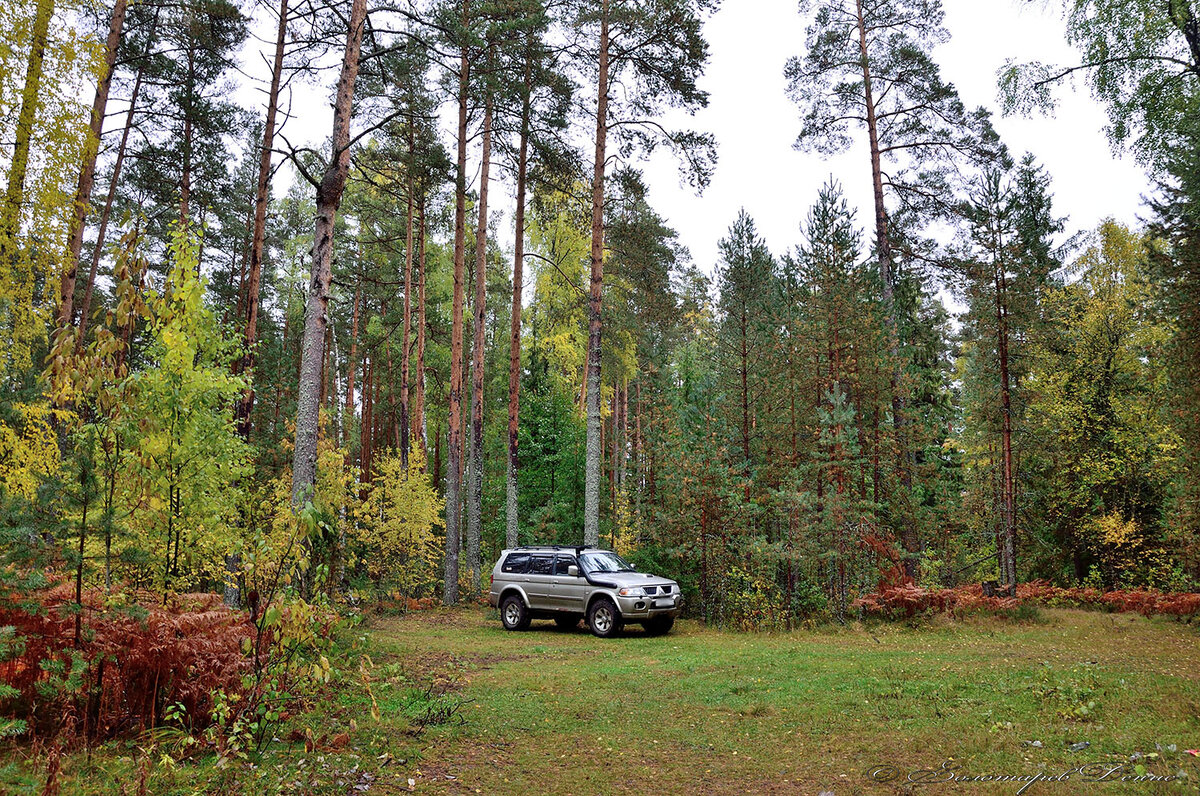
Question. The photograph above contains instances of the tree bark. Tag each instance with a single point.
(262, 197)
(1008, 569)
(405, 434)
(87, 172)
(419, 397)
(393, 425)
(454, 442)
(883, 246)
(101, 233)
(475, 486)
(351, 367)
(622, 460)
(591, 486)
(329, 197)
(185, 180)
(514, 349)
(368, 422)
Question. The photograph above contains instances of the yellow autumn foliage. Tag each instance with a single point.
(1125, 555)
(39, 221)
(400, 527)
(29, 452)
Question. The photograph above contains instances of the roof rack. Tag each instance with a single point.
(575, 547)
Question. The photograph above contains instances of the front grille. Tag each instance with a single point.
(651, 589)
(666, 589)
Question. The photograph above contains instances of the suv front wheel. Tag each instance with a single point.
(604, 620)
(513, 613)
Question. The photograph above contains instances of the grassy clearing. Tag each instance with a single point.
(465, 707)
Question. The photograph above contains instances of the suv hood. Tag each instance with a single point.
(628, 579)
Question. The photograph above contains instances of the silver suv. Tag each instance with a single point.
(567, 584)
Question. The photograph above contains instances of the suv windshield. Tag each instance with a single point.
(603, 561)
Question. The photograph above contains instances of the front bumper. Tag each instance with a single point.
(636, 609)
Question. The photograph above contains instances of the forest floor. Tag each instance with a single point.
(465, 707)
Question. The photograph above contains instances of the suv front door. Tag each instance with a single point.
(567, 591)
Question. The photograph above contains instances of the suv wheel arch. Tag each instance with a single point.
(512, 590)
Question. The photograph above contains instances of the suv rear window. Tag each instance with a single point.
(516, 563)
(542, 565)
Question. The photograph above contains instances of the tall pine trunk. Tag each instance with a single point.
(883, 246)
(454, 441)
(87, 172)
(367, 426)
(475, 486)
(1008, 552)
(514, 349)
(351, 367)
(393, 425)
(185, 179)
(591, 485)
(329, 196)
(106, 213)
(262, 196)
(405, 433)
(418, 418)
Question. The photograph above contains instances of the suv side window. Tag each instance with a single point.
(516, 563)
(561, 563)
(541, 565)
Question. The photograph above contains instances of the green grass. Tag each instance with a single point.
(466, 707)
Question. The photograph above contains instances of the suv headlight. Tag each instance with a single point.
(634, 592)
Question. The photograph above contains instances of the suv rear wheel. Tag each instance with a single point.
(513, 613)
(604, 620)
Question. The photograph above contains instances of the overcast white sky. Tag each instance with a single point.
(755, 125)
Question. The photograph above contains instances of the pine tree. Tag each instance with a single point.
(748, 296)
(181, 163)
(1004, 277)
(841, 335)
(661, 70)
(869, 67)
(329, 197)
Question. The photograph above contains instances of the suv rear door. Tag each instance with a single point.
(567, 591)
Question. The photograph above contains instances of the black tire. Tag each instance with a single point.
(567, 622)
(603, 618)
(513, 613)
(660, 626)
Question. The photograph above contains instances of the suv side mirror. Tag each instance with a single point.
(573, 571)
